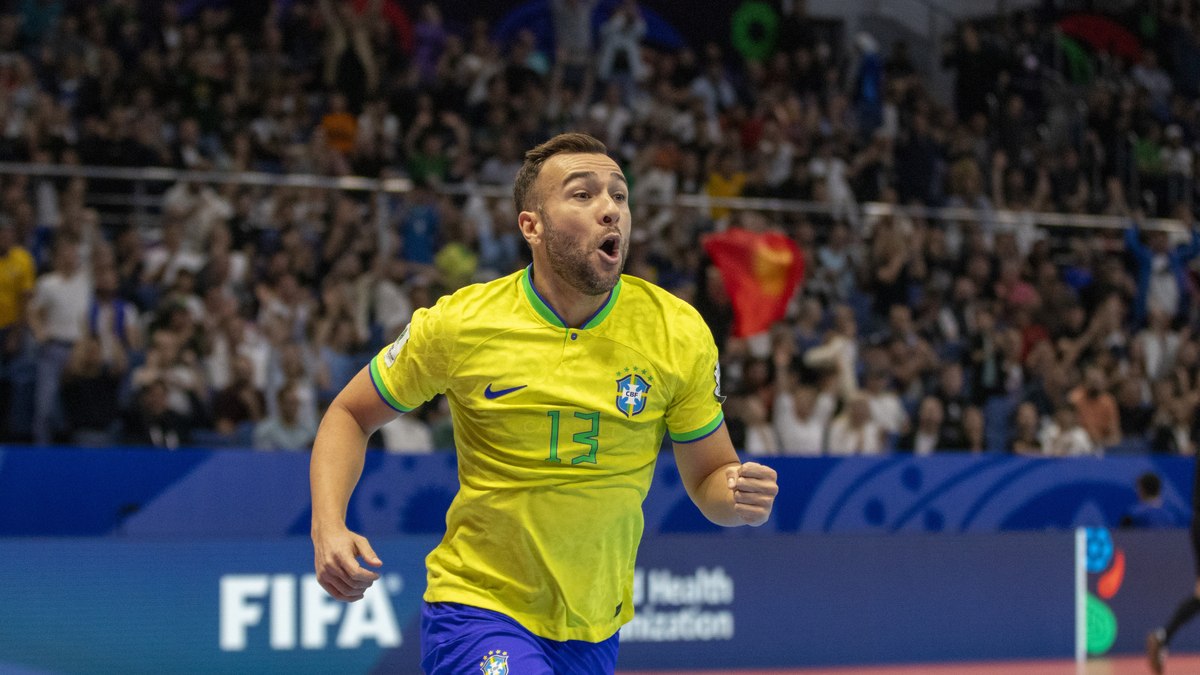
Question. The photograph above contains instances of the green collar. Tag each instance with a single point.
(547, 312)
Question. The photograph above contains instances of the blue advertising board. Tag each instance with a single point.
(703, 602)
(230, 493)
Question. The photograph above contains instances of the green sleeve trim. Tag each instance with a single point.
(701, 432)
(382, 390)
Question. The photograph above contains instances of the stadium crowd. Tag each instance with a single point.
(237, 312)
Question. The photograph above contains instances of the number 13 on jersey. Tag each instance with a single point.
(586, 438)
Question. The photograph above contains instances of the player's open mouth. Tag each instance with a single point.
(610, 248)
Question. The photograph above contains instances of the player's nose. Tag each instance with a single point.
(610, 211)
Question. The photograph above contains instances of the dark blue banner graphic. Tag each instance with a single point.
(228, 493)
(702, 601)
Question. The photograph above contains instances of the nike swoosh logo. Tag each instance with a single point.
(497, 393)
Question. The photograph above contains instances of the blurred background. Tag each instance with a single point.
(947, 250)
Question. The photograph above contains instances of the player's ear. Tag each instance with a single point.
(530, 224)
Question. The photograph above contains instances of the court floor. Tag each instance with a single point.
(1188, 664)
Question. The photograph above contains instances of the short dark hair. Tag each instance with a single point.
(572, 142)
(1149, 484)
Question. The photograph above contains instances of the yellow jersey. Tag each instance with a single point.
(17, 276)
(557, 431)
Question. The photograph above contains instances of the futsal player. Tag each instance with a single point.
(1159, 639)
(562, 379)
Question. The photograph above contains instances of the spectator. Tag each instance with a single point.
(1161, 271)
(91, 392)
(339, 125)
(1134, 409)
(112, 320)
(759, 434)
(1177, 160)
(292, 367)
(407, 434)
(725, 179)
(887, 411)
(241, 402)
(174, 365)
(1097, 409)
(853, 432)
(284, 429)
(57, 316)
(976, 66)
(17, 279)
(620, 44)
(973, 430)
(839, 352)
(151, 422)
(573, 36)
(801, 412)
(1026, 430)
(1063, 437)
(1174, 431)
(928, 436)
(1158, 344)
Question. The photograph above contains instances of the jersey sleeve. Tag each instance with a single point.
(417, 366)
(695, 409)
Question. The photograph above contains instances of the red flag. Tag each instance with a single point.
(761, 272)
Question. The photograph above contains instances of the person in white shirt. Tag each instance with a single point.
(853, 432)
(1158, 344)
(886, 409)
(801, 413)
(839, 351)
(620, 43)
(407, 434)
(1063, 437)
(928, 436)
(802, 420)
(760, 435)
(57, 318)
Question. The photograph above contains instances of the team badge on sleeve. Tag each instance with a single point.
(393, 352)
(496, 663)
(631, 394)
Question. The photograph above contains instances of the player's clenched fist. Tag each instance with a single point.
(754, 488)
(337, 565)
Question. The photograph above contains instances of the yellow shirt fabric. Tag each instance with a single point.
(17, 276)
(557, 431)
(720, 185)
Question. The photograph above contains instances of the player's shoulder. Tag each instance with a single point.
(473, 297)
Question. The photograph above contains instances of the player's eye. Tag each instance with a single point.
(620, 197)
(581, 195)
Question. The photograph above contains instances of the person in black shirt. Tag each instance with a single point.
(90, 387)
(1160, 638)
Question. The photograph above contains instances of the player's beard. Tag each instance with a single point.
(572, 261)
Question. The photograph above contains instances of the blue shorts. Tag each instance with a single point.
(460, 639)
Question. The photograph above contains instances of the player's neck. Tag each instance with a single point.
(572, 306)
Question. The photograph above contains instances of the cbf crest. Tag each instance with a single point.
(495, 663)
(631, 393)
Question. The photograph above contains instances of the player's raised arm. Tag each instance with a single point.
(726, 491)
(337, 462)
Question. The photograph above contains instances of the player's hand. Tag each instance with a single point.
(338, 571)
(754, 488)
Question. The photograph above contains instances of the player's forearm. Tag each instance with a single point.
(715, 498)
(337, 462)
